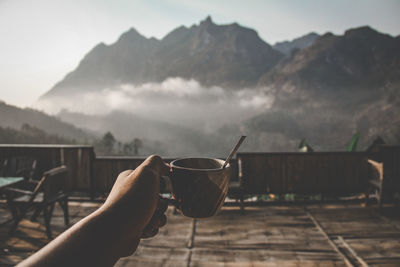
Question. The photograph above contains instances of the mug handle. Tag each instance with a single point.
(166, 187)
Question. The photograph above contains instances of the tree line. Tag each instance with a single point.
(107, 145)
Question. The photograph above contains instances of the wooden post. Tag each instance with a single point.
(62, 160)
(91, 177)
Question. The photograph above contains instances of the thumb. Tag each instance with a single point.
(157, 164)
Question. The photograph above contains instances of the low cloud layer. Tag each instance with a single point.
(175, 100)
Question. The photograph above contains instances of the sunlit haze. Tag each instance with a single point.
(44, 40)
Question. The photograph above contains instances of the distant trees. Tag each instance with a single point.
(352, 147)
(132, 148)
(108, 145)
(108, 142)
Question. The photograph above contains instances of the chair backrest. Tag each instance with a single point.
(3, 168)
(234, 170)
(20, 167)
(54, 182)
(376, 170)
(390, 157)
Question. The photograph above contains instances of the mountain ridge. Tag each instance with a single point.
(215, 55)
(360, 57)
(299, 43)
(14, 118)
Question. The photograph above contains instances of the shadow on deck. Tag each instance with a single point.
(295, 235)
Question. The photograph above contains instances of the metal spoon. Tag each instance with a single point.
(234, 151)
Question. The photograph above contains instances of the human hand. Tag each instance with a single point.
(135, 205)
(133, 210)
(157, 220)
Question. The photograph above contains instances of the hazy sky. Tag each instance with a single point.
(42, 40)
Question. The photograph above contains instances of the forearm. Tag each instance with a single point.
(93, 241)
(115, 229)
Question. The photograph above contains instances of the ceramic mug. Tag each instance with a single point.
(199, 185)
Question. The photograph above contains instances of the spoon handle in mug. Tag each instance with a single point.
(234, 151)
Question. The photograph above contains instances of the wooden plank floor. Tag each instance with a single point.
(313, 235)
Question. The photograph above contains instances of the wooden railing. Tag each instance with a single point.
(78, 159)
(260, 173)
(304, 173)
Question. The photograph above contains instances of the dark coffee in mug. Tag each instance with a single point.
(199, 185)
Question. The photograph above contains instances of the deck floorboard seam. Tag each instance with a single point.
(352, 251)
(330, 241)
(190, 243)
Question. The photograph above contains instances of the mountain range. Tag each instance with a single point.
(223, 55)
(361, 58)
(320, 87)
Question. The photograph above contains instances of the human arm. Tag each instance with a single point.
(132, 210)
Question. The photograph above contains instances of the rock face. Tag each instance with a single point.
(361, 58)
(224, 55)
(227, 55)
(289, 47)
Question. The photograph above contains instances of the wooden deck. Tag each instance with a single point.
(273, 235)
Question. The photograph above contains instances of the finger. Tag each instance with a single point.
(165, 169)
(162, 205)
(125, 173)
(163, 221)
(149, 234)
(154, 223)
(157, 164)
(153, 233)
(151, 227)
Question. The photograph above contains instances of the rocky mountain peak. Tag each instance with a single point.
(361, 31)
(131, 35)
(287, 47)
(98, 49)
(207, 21)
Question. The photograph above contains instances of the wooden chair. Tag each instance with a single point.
(48, 191)
(385, 178)
(236, 188)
